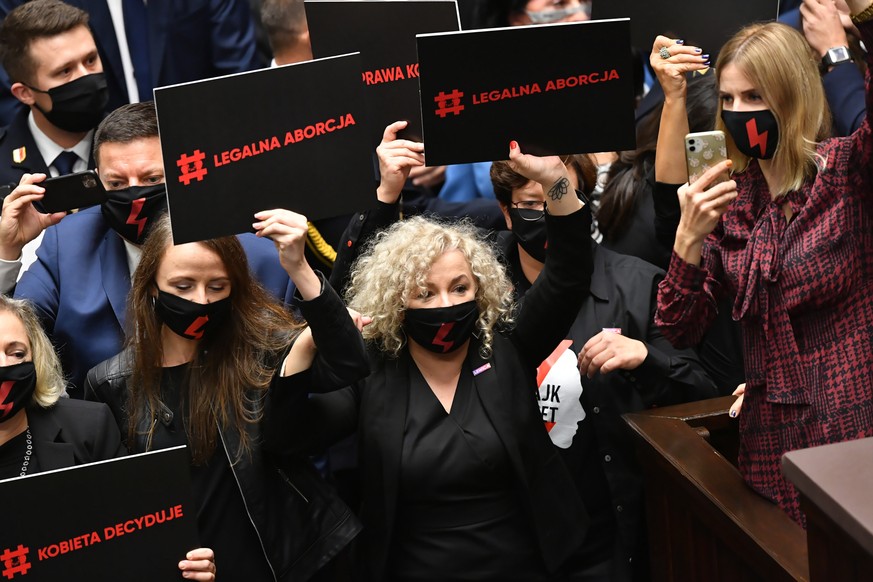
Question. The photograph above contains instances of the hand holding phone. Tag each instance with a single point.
(72, 191)
(703, 150)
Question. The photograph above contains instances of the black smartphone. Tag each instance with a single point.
(73, 191)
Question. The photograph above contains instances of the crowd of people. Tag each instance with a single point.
(476, 367)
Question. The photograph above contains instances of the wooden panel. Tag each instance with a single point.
(704, 522)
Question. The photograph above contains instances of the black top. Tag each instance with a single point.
(222, 519)
(12, 457)
(458, 515)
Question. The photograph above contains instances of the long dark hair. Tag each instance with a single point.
(627, 176)
(239, 359)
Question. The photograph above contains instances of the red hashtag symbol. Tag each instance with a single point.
(15, 562)
(192, 167)
(443, 100)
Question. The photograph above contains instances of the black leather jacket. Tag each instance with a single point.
(300, 522)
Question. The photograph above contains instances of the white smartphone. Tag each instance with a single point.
(704, 150)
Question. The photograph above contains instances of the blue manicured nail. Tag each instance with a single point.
(705, 57)
(733, 413)
(698, 50)
(680, 41)
(707, 64)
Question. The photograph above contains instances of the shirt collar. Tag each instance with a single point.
(49, 150)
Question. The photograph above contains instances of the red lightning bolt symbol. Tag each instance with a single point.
(5, 389)
(755, 138)
(439, 339)
(135, 209)
(195, 330)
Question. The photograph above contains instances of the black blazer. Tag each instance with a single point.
(15, 136)
(377, 407)
(73, 432)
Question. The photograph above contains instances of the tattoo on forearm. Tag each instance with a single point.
(560, 189)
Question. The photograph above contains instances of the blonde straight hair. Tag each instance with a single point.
(779, 62)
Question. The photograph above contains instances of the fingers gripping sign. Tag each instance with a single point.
(288, 231)
(672, 60)
(396, 158)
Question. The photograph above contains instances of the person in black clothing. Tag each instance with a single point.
(458, 475)
(626, 366)
(40, 429)
(208, 351)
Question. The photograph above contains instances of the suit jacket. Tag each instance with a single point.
(79, 285)
(13, 137)
(377, 407)
(188, 41)
(72, 433)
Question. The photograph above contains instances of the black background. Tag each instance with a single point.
(586, 118)
(47, 508)
(384, 33)
(329, 175)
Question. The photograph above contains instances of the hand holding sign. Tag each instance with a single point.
(199, 564)
(552, 174)
(288, 231)
(396, 158)
(671, 60)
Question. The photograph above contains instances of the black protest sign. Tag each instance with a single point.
(126, 519)
(291, 137)
(555, 89)
(704, 24)
(384, 33)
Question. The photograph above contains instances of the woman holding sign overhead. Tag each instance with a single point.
(788, 241)
(459, 478)
(208, 353)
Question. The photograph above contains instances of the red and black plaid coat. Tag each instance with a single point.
(803, 292)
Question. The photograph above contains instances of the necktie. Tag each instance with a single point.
(136, 27)
(64, 163)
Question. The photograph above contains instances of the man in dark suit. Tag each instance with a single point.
(81, 278)
(152, 44)
(51, 57)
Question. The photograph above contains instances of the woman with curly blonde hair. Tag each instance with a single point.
(390, 273)
(459, 479)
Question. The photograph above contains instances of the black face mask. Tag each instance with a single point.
(17, 384)
(756, 133)
(531, 234)
(188, 319)
(131, 212)
(78, 105)
(441, 329)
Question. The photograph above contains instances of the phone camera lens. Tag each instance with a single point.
(692, 149)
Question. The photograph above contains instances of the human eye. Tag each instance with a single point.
(154, 180)
(115, 184)
(17, 354)
(755, 97)
(725, 98)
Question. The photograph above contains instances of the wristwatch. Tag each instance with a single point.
(835, 56)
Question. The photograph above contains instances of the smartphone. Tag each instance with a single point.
(704, 150)
(73, 191)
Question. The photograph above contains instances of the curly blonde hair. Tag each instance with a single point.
(394, 268)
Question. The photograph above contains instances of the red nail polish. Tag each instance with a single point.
(513, 145)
